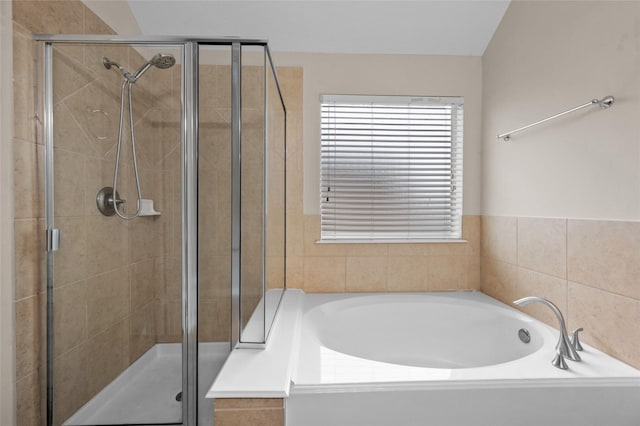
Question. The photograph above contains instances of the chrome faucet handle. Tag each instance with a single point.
(575, 340)
(564, 347)
(559, 362)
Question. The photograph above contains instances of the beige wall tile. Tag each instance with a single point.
(143, 280)
(24, 87)
(108, 300)
(531, 283)
(247, 403)
(70, 259)
(407, 273)
(499, 238)
(471, 227)
(107, 356)
(69, 181)
(28, 180)
(499, 280)
(605, 254)
(366, 274)
(67, 134)
(145, 239)
(214, 317)
(53, 17)
(69, 75)
(412, 249)
(27, 336)
(214, 278)
(275, 272)
(107, 244)
(28, 400)
(71, 381)
(312, 234)
(266, 417)
(143, 331)
(474, 272)
(610, 321)
(295, 271)
(169, 281)
(70, 316)
(295, 217)
(161, 136)
(447, 272)
(168, 321)
(366, 250)
(29, 259)
(324, 274)
(542, 245)
(448, 249)
(101, 126)
(249, 411)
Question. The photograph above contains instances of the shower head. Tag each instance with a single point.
(108, 63)
(163, 61)
(160, 60)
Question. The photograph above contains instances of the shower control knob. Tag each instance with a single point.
(105, 201)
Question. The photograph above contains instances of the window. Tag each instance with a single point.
(391, 168)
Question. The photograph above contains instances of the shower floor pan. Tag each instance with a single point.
(145, 393)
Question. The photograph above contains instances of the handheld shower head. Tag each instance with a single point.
(160, 60)
(108, 63)
(163, 61)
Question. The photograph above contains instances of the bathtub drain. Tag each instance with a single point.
(524, 335)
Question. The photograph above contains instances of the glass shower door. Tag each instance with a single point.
(115, 284)
(214, 218)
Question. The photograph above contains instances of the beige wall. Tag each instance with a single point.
(542, 190)
(7, 347)
(387, 75)
(544, 58)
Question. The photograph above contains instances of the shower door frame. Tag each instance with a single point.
(189, 159)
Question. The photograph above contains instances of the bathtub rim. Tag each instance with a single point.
(315, 300)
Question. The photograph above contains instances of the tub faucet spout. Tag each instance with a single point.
(564, 348)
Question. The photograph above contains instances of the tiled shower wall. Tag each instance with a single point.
(589, 268)
(29, 18)
(114, 279)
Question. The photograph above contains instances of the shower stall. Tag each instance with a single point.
(165, 220)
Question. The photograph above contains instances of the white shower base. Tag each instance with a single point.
(145, 393)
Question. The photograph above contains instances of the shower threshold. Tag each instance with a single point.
(147, 393)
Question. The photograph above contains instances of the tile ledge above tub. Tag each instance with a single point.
(264, 373)
(398, 241)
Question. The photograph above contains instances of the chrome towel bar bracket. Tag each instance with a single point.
(603, 103)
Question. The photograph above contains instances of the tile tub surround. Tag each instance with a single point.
(249, 411)
(331, 268)
(589, 268)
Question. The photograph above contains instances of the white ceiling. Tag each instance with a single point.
(424, 27)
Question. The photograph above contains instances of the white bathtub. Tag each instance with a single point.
(446, 359)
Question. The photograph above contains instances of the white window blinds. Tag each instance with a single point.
(391, 168)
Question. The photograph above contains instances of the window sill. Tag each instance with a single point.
(415, 241)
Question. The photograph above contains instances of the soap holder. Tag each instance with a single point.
(146, 208)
